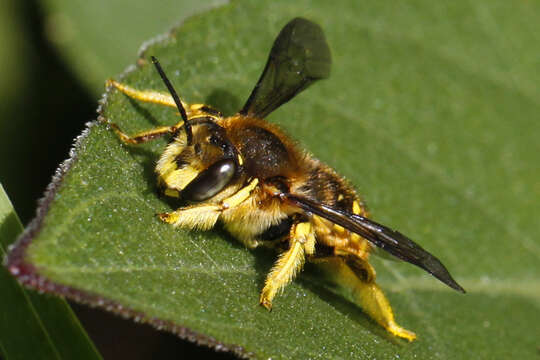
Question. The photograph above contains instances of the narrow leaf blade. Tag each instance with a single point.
(31, 323)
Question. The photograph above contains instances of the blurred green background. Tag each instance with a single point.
(52, 73)
(43, 105)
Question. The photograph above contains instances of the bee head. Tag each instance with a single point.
(200, 161)
(199, 165)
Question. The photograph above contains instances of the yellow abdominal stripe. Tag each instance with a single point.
(356, 207)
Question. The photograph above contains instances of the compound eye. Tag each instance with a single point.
(210, 181)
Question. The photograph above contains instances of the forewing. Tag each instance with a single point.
(299, 56)
(381, 236)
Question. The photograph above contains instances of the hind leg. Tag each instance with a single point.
(359, 276)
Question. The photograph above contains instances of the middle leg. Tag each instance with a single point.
(301, 243)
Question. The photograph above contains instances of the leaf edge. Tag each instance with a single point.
(28, 274)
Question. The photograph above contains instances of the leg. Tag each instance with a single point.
(302, 242)
(359, 276)
(150, 96)
(142, 136)
(204, 216)
(161, 98)
(199, 217)
(146, 96)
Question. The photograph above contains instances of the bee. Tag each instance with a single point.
(266, 191)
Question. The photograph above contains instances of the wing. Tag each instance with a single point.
(299, 56)
(383, 237)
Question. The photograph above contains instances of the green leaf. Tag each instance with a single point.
(431, 110)
(30, 323)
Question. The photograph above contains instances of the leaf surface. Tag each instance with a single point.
(428, 111)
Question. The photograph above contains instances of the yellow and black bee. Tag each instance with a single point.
(246, 173)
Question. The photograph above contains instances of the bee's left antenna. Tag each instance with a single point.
(176, 98)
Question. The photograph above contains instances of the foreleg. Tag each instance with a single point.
(204, 216)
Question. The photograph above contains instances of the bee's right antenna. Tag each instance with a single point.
(176, 98)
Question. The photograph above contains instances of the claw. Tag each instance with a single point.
(397, 330)
(165, 217)
(265, 302)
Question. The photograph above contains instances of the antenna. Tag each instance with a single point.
(187, 125)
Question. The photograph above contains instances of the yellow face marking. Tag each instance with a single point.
(172, 193)
(356, 209)
(340, 197)
(240, 160)
(179, 179)
(167, 168)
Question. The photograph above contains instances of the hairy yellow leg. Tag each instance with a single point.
(205, 216)
(150, 96)
(143, 136)
(366, 293)
(376, 305)
(290, 262)
(160, 98)
(146, 96)
(198, 217)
